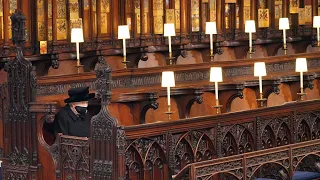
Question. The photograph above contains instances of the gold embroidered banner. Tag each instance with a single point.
(195, 11)
(74, 9)
(158, 25)
(49, 20)
(170, 18)
(230, 1)
(177, 19)
(76, 23)
(308, 13)
(13, 6)
(263, 18)
(301, 12)
(61, 29)
(104, 23)
(294, 6)
(41, 31)
(213, 11)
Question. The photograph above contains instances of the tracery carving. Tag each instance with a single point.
(145, 154)
(306, 126)
(274, 132)
(237, 139)
(74, 158)
(193, 146)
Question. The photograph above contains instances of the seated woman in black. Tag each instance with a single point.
(73, 119)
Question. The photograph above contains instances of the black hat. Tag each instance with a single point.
(79, 94)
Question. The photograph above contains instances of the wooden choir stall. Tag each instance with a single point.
(184, 89)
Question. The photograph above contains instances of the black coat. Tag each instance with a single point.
(68, 123)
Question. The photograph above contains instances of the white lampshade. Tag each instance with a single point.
(123, 32)
(301, 65)
(169, 30)
(250, 26)
(168, 79)
(215, 74)
(284, 23)
(76, 35)
(260, 69)
(316, 21)
(211, 28)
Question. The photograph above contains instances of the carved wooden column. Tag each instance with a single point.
(253, 9)
(86, 18)
(6, 9)
(219, 17)
(98, 11)
(54, 24)
(285, 8)
(107, 141)
(115, 17)
(22, 153)
(184, 21)
(93, 20)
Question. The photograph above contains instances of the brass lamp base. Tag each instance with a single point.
(302, 95)
(218, 107)
(261, 101)
(251, 51)
(170, 58)
(125, 62)
(211, 55)
(78, 66)
(169, 112)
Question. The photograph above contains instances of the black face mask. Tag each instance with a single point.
(81, 110)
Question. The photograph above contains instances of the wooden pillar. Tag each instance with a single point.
(314, 4)
(6, 9)
(24, 5)
(115, 18)
(285, 7)
(54, 21)
(98, 11)
(219, 11)
(254, 11)
(86, 21)
(93, 20)
(184, 18)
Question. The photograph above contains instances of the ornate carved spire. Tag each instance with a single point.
(104, 82)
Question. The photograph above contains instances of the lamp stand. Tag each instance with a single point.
(218, 107)
(302, 95)
(285, 48)
(211, 54)
(78, 66)
(125, 62)
(250, 52)
(169, 112)
(261, 100)
(170, 58)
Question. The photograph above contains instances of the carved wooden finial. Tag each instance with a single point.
(104, 82)
(19, 33)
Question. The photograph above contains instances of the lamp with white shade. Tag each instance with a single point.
(259, 71)
(123, 33)
(77, 37)
(284, 25)
(250, 28)
(216, 76)
(169, 31)
(211, 28)
(301, 66)
(316, 24)
(168, 81)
